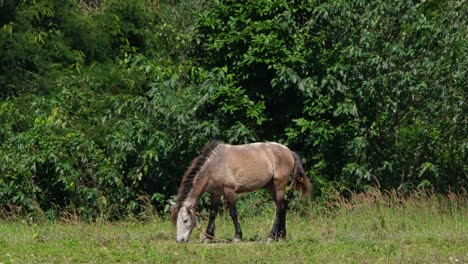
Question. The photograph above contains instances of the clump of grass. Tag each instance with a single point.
(11, 213)
(375, 198)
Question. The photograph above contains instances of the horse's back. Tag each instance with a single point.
(252, 166)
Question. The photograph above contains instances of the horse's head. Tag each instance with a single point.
(186, 221)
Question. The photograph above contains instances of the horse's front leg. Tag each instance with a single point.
(215, 201)
(231, 199)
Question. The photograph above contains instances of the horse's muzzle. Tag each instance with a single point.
(181, 240)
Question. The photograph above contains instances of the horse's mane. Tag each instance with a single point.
(189, 176)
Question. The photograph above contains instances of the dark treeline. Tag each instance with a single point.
(104, 103)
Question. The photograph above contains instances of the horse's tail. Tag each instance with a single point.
(300, 181)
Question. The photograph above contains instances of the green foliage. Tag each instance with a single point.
(87, 128)
(105, 103)
(370, 92)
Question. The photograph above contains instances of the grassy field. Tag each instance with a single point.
(369, 228)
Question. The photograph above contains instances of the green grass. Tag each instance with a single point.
(366, 229)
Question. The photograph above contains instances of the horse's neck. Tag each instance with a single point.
(192, 198)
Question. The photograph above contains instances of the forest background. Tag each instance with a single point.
(104, 103)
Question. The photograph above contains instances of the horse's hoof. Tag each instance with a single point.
(270, 239)
(207, 240)
(236, 240)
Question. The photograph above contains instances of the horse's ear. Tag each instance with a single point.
(193, 211)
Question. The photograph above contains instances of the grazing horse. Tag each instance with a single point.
(223, 169)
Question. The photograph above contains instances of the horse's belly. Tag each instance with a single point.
(248, 181)
(248, 188)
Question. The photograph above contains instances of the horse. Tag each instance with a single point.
(227, 170)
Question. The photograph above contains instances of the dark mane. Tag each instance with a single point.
(190, 175)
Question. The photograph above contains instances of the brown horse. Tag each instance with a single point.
(223, 169)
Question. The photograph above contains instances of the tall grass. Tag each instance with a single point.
(370, 227)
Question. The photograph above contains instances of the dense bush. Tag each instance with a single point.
(367, 91)
(101, 122)
(104, 103)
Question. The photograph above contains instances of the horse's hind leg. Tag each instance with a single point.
(279, 227)
(215, 201)
(231, 199)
